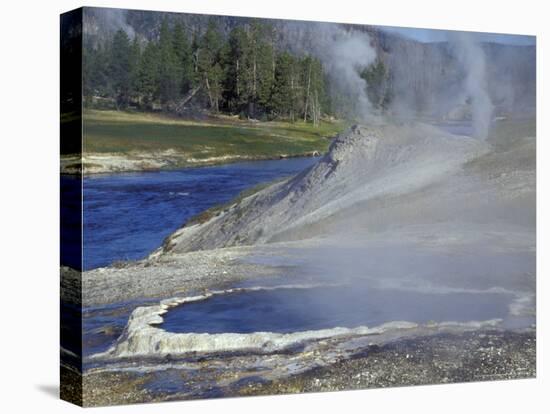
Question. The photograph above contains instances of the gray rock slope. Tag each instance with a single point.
(364, 164)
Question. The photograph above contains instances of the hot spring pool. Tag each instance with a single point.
(285, 310)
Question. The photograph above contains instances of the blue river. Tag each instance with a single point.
(127, 216)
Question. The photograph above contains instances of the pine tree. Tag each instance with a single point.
(195, 54)
(262, 65)
(135, 54)
(97, 76)
(283, 100)
(102, 82)
(183, 58)
(235, 61)
(169, 80)
(208, 65)
(249, 68)
(313, 87)
(120, 68)
(378, 86)
(148, 74)
(90, 70)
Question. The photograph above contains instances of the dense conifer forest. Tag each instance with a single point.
(242, 74)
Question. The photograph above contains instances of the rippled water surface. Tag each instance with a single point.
(127, 216)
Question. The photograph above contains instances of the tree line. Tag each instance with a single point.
(243, 73)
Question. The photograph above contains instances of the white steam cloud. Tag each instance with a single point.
(471, 57)
(105, 20)
(345, 57)
(344, 53)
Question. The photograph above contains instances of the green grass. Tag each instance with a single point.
(126, 132)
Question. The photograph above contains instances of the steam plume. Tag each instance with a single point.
(471, 57)
(344, 54)
(108, 20)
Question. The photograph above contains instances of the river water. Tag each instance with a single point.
(127, 216)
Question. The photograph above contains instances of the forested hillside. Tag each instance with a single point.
(272, 69)
(243, 73)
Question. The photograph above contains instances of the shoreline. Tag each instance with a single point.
(120, 163)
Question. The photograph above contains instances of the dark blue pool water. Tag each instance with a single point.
(127, 216)
(291, 310)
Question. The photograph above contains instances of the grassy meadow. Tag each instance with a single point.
(127, 132)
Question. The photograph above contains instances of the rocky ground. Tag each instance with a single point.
(169, 276)
(486, 355)
(438, 359)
